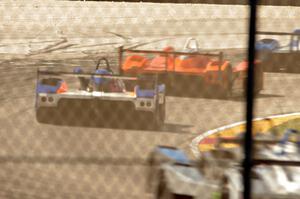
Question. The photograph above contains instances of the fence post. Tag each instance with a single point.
(247, 164)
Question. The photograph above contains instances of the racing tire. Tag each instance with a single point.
(256, 90)
(226, 93)
(156, 122)
(207, 91)
(149, 120)
(293, 68)
(40, 115)
(211, 89)
(45, 115)
(163, 192)
(159, 117)
(162, 112)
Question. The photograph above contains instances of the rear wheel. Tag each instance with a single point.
(163, 192)
(259, 78)
(162, 112)
(156, 121)
(220, 88)
(41, 115)
(151, 120)
(215, 86)
(159, 116)
(293, 68)
(256, 90)
(45, 115)
(227, 81)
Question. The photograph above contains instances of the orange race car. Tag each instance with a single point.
(194, 70)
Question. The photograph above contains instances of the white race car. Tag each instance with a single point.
(99, 96)
(218, 173)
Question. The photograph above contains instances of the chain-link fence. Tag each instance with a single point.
(90, 89)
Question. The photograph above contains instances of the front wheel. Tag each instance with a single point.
(163, 192)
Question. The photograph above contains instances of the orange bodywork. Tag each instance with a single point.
(194, 64)
(134, 62)
(63, 88)
(212, 69)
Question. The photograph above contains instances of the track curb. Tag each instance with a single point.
(259, 125)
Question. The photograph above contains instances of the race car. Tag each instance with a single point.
(99, 97)
(277, 57)
(191, 69)
(217, 174)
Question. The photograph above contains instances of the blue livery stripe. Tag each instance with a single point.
(175, 154)
(42, 88)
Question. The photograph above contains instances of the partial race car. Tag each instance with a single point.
(277, 57)
(99, 97)
(191, 69)
(217, 174)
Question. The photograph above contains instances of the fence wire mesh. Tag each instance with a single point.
(72, 127)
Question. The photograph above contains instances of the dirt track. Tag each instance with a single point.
(48, 161)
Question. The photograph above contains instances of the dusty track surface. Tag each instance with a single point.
(49, 161)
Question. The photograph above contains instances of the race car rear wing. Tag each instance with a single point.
(143, 78)
(122, 50)
(53, 78)
(72, 74)
(278, 33)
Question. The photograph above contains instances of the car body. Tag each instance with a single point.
(277, 57)
(98, 96)
(191, 68)
(218, 173)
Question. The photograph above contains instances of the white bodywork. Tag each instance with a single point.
(185, 180)
(268, 182)
(143, 104)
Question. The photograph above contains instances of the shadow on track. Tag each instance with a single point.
(259, 96)
(73, 160)
(121, 124)
(200, 95)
